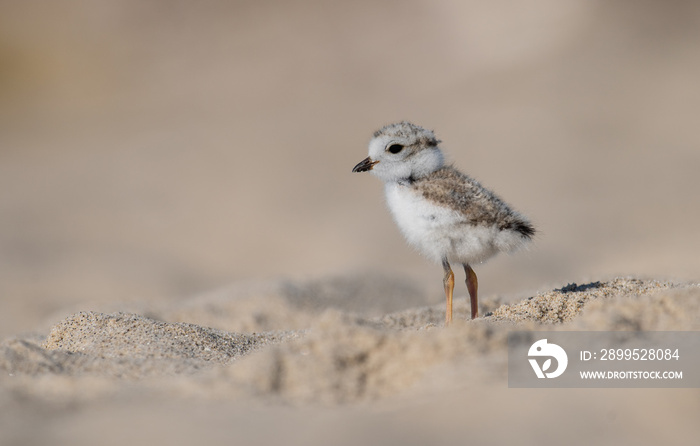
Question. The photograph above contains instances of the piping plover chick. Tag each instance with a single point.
(446, 215)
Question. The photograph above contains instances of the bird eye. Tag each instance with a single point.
(395, 148)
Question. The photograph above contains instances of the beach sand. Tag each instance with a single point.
(318, 370)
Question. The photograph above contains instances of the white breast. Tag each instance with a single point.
(437, 231)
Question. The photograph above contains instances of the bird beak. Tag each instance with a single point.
(364, 165)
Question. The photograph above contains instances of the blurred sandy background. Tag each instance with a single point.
(151, 151)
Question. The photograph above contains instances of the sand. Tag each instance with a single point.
(334, 374)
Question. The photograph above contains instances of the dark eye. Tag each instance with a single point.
(395, 148)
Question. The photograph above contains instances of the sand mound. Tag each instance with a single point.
(364, 365)
(344, 358)
(129, 346)
(564, 304)
(121, 335)
(331, 355)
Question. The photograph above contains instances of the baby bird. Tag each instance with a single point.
(446, 215)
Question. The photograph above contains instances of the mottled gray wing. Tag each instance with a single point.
(451, 188)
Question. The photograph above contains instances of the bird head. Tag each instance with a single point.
(402, 151)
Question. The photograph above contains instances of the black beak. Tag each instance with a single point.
(364, 165)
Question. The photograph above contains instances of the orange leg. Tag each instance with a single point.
(472, 286)
(449, 282)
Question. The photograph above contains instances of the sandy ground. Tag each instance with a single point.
(339, 376)
(185, 255)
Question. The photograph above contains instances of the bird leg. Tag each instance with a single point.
(472, 285)
(449, 282)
